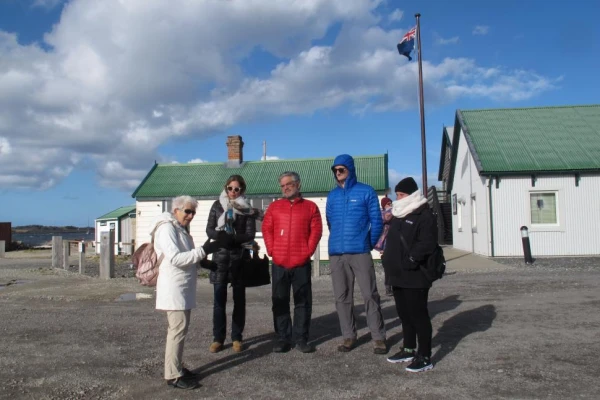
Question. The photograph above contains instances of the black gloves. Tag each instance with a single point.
(223, 241)
(208, 264)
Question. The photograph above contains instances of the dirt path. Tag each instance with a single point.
(512, 333)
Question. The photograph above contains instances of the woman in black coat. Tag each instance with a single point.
(415, 223)
(233, 215)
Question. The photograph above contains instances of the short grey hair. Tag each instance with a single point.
(294, 175)
(180, 201)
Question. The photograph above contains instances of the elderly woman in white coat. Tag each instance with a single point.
(176, 285)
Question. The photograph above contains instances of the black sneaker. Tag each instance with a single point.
(420, 364)
(183, 383)
(304, 347)
(281, 347)
(402, 356)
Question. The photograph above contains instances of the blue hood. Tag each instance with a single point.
(347, 161)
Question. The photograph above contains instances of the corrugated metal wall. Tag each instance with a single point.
(578, 231)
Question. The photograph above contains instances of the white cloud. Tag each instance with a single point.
(116, 79)
(196, 161)
(47, 4)
(443, 41)
(396, 15)
(4, 146)
(481, 30)
(270, 158)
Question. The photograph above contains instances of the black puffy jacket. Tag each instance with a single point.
(229, 261)
(419, 229)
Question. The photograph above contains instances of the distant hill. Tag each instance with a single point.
(43, 228)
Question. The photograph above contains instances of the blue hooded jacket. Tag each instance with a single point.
(353, 215)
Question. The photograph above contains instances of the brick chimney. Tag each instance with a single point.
(235, 154)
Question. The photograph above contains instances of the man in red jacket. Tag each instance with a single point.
(292, 229)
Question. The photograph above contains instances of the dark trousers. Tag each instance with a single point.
(300, 281)
(238, 319)
(411, 305)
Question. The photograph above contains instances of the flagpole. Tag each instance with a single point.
(422, 108)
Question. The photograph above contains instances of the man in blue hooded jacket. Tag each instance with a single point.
(355, 225)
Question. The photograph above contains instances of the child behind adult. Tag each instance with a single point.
(386, 216)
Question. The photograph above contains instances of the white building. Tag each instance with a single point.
(205, 181)
(532, 167)
(123, 222)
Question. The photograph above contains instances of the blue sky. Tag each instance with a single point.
(92, 93)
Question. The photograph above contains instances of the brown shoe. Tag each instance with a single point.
(347, 345)
(215, 347)
(380, 347)
(238, 346)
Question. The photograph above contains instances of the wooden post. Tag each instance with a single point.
(107, 255)
(56, 251)
(2, 248)
(317, 261)
(81, 256)
(65, 258)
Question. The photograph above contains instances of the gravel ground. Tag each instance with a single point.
(517, 332)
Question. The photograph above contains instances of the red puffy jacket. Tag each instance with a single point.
(292, 231)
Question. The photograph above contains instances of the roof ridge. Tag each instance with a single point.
(532, 108)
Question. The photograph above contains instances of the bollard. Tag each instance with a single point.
(107, 255)
(317, 262)
(65, 257)
(57, 248)
(81, 255)
(526, 245)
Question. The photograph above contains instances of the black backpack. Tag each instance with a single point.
(434, 267)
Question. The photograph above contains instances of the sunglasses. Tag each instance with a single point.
(340, 170)
(188, 211)
(233, 189)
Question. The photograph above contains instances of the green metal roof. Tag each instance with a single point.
(207, 179)
(118, 213)
(530, 140)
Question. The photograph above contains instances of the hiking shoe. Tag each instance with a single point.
(281, 347)
(420, 364)
(347, 345)
(403, 356)
(304, 347)
(215, 347)
(380, 347)
(183, 383)
(189, 374)
(238, 346)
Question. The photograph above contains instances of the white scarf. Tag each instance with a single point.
(239, 206)
(401, 208)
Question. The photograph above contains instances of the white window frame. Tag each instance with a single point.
(559, 226)
(459, 216)
(253, 202)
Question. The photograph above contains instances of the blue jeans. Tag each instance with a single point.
(299, 280)
(238, 319)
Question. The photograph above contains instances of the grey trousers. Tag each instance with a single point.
(179, 321)
(344, 269)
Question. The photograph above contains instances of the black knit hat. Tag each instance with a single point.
(407, 185)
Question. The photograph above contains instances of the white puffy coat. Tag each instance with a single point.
(176, 285)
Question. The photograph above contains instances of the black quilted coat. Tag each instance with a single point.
(229, 261)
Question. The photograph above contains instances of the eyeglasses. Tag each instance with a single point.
(289, 184)
(340, 170)
(233, 189)
(188, 211)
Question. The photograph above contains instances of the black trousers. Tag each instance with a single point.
(299, 280)
(411, 305)
(238, 318)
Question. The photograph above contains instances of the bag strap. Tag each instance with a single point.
(162, 256)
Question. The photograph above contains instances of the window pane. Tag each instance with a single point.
(263, 204)
(543, 208)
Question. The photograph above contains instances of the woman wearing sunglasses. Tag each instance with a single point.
(233, 215)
